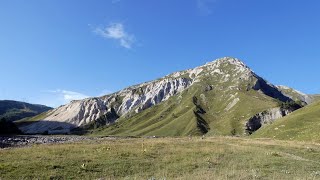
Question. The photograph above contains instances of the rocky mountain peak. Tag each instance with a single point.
(225, 61)
(225, 68)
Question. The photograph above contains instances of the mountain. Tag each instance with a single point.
(303, 124)
(218, 98)
(15, 110)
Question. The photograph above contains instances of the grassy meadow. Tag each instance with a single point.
(164, 158)
(301, 125)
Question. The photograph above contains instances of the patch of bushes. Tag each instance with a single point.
(293, 105)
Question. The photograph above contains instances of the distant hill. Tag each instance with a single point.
(303, 124)
(316, 97)
(8, 127)
(297, 95)
(15, 110)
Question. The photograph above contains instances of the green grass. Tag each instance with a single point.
(15, 110)
(176, 117)
(303, 124)
(29, 120)
(157, 120)
(164, 158)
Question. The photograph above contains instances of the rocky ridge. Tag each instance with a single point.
(296, 95)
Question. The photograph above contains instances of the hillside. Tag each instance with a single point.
(297, 95)
(303, 124)
(316, 97)
(218, 98)
(194, 112)
(15, 110)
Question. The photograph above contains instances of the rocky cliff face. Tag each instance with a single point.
(266, 117)
(143, 96)
(227, 74)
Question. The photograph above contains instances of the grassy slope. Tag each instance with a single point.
(303, 124)
(29, 120)
(164, 158)
(175, 117)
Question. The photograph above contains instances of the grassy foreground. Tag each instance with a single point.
(164, 158)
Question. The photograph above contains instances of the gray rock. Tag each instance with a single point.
(265, 117)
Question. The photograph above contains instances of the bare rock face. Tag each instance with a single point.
(266, 117)
(64, 118)
(146, 95)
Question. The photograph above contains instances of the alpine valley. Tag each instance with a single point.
(223, 97)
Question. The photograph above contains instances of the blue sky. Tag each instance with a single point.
(53, 51)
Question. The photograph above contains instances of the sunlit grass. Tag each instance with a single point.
(164, 158)
(302, 125)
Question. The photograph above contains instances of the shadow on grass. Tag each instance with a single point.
(46, 127)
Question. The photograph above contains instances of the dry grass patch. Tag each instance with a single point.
(164, 158)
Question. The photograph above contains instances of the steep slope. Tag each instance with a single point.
(303, 124)
(216, 98)
(81, 112)
(15, 110)
(224, 96)
(296, 95)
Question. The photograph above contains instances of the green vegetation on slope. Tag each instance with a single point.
(170, 118)
(222, 97)
(303, 124)
(15, 110)
(29, 120)
(164, 158)
(220, 109)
